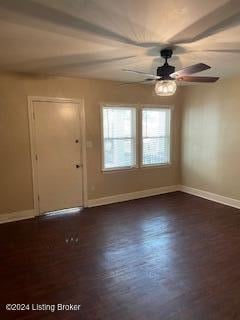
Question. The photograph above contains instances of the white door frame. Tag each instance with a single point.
(80, 103)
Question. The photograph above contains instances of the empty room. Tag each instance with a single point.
(120, 159)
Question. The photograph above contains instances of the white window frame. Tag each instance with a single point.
(158, 107)
(122, 106)
(139, 139)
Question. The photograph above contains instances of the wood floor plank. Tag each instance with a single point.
(170, 257)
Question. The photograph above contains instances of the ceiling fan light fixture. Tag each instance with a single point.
(165, 87)
(166, 76)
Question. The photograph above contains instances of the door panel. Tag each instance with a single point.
(58, 145)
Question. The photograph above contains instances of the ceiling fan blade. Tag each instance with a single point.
(150, 79)
(197, 79)
(143, 73)
(190, 70)
(137, 82)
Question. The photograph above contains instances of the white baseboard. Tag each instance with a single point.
(21, 215)
(212, 196)
(156, 191)
(15, 216)
(132, 195)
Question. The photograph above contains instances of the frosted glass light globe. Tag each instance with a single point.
(165, 87)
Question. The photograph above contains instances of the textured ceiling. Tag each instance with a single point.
(98, 38)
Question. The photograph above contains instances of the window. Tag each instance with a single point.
(119, 137)
(155, 136)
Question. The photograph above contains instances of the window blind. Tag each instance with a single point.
(155, 136)
(119, 137)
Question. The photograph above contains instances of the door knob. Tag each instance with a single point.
(78, 166)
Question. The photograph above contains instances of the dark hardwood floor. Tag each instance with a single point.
(173, 256)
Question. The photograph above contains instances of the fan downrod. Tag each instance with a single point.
(166, 53)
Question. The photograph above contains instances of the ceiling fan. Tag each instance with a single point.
(166, 76)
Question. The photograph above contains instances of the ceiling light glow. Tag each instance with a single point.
(165, 87)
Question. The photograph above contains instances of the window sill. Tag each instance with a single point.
(129, 169)
(119, 170)
(156, 166)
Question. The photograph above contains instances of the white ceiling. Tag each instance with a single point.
(98, 38)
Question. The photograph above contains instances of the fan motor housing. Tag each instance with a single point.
(165, 71)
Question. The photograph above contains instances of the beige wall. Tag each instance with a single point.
(211, 137)
(16, 176)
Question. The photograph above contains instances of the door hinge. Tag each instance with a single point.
(38, 198)
(36, 156)
(33, 115)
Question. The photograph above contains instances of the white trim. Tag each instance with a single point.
(138, 107)
(80, 103)
(158, 107)
(212, 196)
(119, 169)
(161, 190)
(132, 195)
(28, 214)
(84, 152)
(135, 129)
(18, 215)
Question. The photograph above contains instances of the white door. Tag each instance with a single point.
(58, 155)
